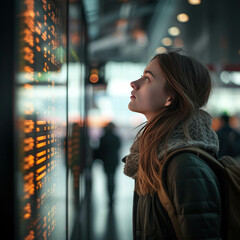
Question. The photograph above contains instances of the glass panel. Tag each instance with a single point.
(76, 113)
(40, 117)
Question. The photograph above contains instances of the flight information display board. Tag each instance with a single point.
(41, 119)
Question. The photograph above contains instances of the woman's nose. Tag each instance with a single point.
(134, 84)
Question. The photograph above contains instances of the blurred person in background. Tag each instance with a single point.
(108, 152)
(229, 139)
(171, 93)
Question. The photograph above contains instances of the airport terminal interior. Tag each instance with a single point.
(66, 68)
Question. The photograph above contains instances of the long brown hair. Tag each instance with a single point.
(188, 83)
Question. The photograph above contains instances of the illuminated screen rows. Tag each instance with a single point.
(41, 86)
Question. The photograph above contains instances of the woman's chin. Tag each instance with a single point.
(133, 108)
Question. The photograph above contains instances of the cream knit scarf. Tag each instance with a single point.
(201, 135)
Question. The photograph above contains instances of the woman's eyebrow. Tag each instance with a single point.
(147, 71)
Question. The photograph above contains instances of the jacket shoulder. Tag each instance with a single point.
(194, 189)
(185, 165)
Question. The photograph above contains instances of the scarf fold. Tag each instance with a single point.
(201, 135)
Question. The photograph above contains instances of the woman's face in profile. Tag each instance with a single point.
(149, 95)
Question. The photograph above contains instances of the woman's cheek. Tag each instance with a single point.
(156, 100)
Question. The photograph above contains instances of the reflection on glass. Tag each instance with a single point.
(76, 141)
(40, 116)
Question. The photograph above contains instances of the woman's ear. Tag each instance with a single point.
(168, 102)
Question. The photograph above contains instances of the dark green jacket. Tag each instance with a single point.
(195, 193)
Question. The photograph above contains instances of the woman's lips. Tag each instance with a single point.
(132, 96)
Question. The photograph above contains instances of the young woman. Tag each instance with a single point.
(171, 93)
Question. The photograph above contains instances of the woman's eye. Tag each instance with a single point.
(145, 78)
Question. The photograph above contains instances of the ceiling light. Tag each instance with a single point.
(182, 17)
(161, 50)
(228, 77)
(121, 23)
(167, 41)
(174, 31)
(235, 77)
(194, 2)
(140, 36)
